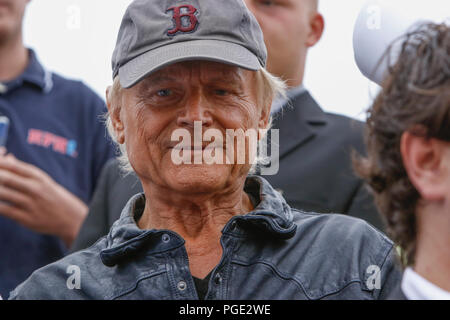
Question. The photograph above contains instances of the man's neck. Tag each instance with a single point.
(191, 215)
(198, 219)
(13, 59)
(433, 240)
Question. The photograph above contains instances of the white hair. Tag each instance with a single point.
(270, 87)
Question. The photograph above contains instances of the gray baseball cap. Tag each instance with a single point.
(157, 33)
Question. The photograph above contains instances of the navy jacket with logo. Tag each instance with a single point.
(273, 252)
(55, 125)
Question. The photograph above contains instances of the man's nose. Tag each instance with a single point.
(195, 109)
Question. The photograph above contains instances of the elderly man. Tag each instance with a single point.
(315, 170)
(408, 165)
(210, 231)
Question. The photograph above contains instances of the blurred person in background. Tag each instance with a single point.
(408, 162)
(54, 150)
(315, 147)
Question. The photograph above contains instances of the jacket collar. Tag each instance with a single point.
(297, 122)
(271, 216)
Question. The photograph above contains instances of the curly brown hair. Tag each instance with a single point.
(415, 97)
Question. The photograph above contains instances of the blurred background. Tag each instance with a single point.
(76, 38)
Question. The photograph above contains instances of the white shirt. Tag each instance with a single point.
(279, 102)
(415, 287)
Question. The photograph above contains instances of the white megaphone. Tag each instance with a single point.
(381, 22)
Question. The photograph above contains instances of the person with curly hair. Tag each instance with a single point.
(408, 162)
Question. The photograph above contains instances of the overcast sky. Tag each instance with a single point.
(76, 38)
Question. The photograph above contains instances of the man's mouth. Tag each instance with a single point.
(199, 147)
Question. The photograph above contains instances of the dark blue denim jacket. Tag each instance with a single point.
(273, 252)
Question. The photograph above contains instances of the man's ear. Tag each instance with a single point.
(423, 159)
(115, 117)
(264, 118)
(317, 26)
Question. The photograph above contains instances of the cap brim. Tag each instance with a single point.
(210, 50)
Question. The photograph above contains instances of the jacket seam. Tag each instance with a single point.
(343, 288)
(134, 286)
(170, 277)
(382, 266)
(298, 282)
(228, 270)
(274, 269)
(192, 290)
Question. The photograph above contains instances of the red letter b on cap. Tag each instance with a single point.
(177, 17)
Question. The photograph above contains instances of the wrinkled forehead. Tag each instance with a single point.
(206, 71)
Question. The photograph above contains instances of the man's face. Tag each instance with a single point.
(214, 95)
(286, 25)
(11, 16)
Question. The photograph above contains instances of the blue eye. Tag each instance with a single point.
(267, 2)
(164, 92)
(221, 92)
